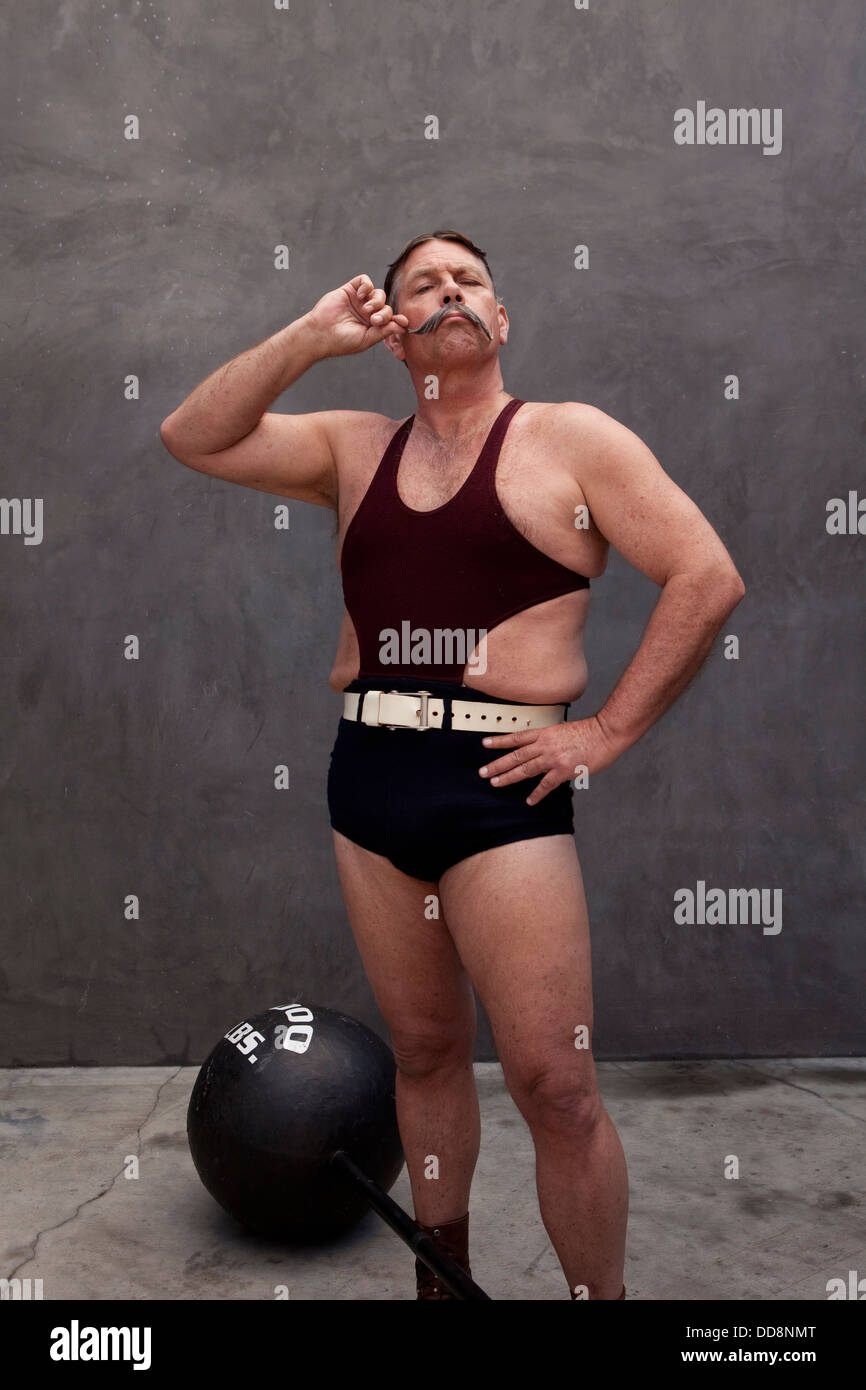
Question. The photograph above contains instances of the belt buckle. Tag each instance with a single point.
(424, 696)
(392, 727)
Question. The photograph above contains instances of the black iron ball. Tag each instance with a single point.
(279, 1094)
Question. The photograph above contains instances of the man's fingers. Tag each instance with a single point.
(365, 294)
(511, 763)
(374, 305)
(391, 325)
(519, 737)
(385, 315)
(547, 784)
(377, 308)
(524, 770)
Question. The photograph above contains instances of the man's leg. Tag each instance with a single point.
(426, 998)
(518, 917)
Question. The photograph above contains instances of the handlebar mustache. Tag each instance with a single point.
(435, 319)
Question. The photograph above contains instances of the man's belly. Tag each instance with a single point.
(536, 656)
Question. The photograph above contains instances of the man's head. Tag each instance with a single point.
(394, 277)
(442, 273)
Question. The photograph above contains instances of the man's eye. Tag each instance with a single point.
(421, 288)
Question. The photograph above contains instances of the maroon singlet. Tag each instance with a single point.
(460, 568)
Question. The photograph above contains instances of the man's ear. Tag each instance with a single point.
(395, 347)
(502, 315)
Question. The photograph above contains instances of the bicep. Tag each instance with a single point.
(289, 455)
(642, 512)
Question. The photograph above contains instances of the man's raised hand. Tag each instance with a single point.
(354, 317)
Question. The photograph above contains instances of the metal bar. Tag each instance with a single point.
(452, 1276)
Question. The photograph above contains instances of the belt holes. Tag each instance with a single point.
(498, 717)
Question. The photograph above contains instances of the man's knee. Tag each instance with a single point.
(421, 1051)
(559, 1096)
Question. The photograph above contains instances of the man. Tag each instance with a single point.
(467, 538)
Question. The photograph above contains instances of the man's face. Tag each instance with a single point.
(445, 293)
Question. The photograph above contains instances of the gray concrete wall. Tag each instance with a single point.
(153, 258)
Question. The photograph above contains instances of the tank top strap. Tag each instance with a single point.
(384, 481)
(481, 481)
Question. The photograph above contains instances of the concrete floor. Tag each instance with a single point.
(793, 1219)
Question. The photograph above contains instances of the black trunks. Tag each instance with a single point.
(416, 797)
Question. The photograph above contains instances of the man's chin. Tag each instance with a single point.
(454, 346)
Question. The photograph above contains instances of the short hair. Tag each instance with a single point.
(392, 278)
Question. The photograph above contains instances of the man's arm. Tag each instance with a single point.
(222, 427)
(659, 530)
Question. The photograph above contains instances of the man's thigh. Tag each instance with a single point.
(518, 917)
(409, 957)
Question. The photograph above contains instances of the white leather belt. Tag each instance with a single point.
(393, 709)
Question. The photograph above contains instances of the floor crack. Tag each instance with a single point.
(797, 1087)
(67, 1220)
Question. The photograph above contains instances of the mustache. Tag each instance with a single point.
(436, 318)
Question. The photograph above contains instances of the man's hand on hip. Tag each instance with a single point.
(554, 753)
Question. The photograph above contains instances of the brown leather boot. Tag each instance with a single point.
(616, 1300)
(453, 1238)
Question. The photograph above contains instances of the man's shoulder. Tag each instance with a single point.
(349, 422)
(575, 429)
(355, 433)
(573, 415)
